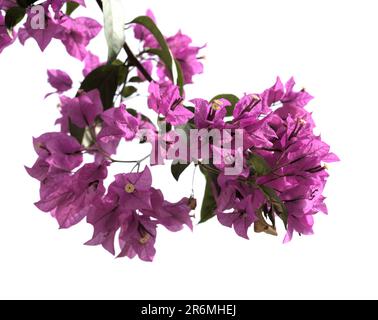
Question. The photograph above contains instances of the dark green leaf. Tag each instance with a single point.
(128, 91)
(117, 62)
(180, 76)
(134, 113)
(25, 3)
(14, 16)
(177, 169)
(71, 7)
(191, 109)
(148, 23)
(76, 132)
(167, 60)
(231, 98)
(258, 164)
(123, 71)
(105, 79)
(276, 202)
(135, 79)
(209, 204)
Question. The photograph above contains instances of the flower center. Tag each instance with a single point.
(145, 238)
(129, 188)
(217, 105)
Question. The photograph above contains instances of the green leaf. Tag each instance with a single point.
(276, 202)
(71, 7)
(135, 79)
(209, 204)
(76, 132)
(148, 23)
(231, 98)
(25, 3)
(259, 165)
(128, 91)
(180, 76)
(114, 26)
(134, 113)
(14, 16)
(123, 71)
(177, 169)
(164, 53)
(105, 79)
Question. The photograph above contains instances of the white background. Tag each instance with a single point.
(331, 47)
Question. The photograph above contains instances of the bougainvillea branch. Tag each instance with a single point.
(259, 154)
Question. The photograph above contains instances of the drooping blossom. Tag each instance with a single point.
(136, 209)
(137, 237)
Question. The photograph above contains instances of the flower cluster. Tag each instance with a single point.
(47, 22)
(284, 171)
(259, 153)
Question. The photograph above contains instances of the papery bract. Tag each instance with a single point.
(41, 34)
(137, 237)
(77, 33)
(91, 62)
(59, 80)
(69, 197)
(166, 100)
(133, 189)
(59, 150)
(6, 4)
(82, 110)
(186, 55)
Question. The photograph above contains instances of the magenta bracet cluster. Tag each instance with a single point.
(282, 171)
